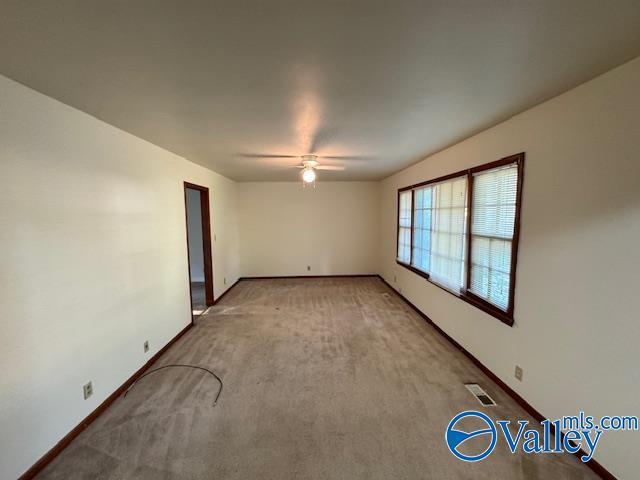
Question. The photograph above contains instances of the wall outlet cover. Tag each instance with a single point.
(87, 390)
(518, 373)
(146, 346)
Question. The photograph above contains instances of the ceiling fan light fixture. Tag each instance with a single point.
(308, 175)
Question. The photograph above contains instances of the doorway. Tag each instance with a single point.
(196, 200)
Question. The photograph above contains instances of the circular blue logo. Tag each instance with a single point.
(455, 438)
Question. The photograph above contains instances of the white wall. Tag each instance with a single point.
(332, 228)
(576, 320)
(93, 262)
(194, 225)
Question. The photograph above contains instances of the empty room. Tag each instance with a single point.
(319, 240)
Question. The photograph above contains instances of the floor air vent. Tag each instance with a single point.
(386, 295)
(480, 394)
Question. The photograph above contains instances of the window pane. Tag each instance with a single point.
(490, 270)
(494, 202)
(492, 253)
(421, 228)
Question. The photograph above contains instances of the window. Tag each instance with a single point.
(493, 222)
(404, 227)
(439, 232)
(461, 233)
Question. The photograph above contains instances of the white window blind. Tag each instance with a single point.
(492, 230)
(422, 228)
(439, 232)
(404, 226)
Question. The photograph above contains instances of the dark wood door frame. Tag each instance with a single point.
(206, 241)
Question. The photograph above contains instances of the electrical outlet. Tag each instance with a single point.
(146, 346)
(87, 390)
(225, 280)
(308, 268)
(518, 373)
(214, 237)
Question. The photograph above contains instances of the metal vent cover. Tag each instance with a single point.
(482, 396)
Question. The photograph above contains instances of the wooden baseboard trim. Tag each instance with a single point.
(592, 464)
(359, 275)
(69, 437)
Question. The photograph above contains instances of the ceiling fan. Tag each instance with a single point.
(308, 163)
(309, 166)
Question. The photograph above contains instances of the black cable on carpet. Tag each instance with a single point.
(179, 365)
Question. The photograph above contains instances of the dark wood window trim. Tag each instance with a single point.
(507, 316)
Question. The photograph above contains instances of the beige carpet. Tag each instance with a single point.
(323, 379)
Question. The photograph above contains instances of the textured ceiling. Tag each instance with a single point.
(225, 84)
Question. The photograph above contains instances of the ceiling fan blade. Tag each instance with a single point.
(264, 155)
(346, 157)
(330, 167)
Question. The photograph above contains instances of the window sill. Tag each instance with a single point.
(504, 317)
